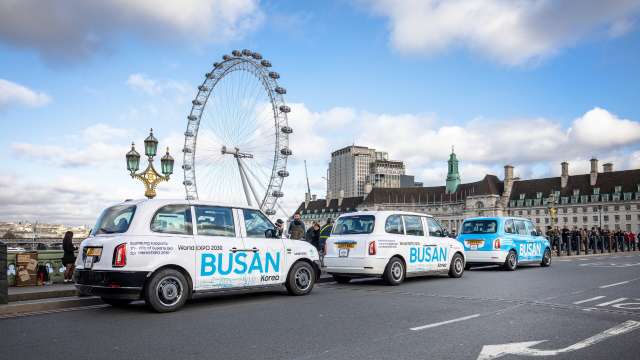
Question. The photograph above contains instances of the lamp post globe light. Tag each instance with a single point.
(552, 204)
(149, 177)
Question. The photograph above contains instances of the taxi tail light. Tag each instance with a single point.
(120, 255)
(372, 248)
(325, 248)
(496, 244)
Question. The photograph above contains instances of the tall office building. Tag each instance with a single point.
(386, 173)
(349, 169)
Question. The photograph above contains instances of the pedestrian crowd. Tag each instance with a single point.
(316, 235)
(591, 239)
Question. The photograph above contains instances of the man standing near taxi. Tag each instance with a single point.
(296, 216)
(325, 232)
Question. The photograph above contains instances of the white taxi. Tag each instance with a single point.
(392, 245)
(164, 251)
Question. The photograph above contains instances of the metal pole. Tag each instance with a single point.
(4, 286)
(568, 246)
(609, 241)
(255, 193)
(576, 236)
(244, 183)
(585, 241)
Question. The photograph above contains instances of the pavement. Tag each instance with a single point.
(26, 299)
(581, 308)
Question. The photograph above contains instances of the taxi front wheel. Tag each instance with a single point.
(394, 272)
(457, 266)
(511, 262)
(300, 279)
(546, 259)
(166, 291)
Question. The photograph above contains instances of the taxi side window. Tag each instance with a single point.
(394, 225)
(214, 221)
(509, 227)
(531, 230)
(172, 219)
(256, 224)
(413, 225)
(433, 227)
(520, 227)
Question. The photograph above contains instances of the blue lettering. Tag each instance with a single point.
(207, 262)
(420, 258)
(269, 259)
(443, 254)
(412, 255)
(241, 262)
(256, 263)
(428, 255)
(225, 272)
(435, 255)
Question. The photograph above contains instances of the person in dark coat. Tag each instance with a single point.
(315, 240)
(308, 235)
(69, 258)
(296, 216)
(298, 231)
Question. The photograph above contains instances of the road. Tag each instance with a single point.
(561, 312)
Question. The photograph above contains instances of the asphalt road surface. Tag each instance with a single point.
(587, 308)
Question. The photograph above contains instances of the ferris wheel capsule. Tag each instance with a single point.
(186, 151)
(209, 75)
(187, 182)
(192, 117)
(226, 57)
(246, 52)
(217, 65)
(189, 197)
(281, 90)
(287, 129)
(203, 88)
(285, 151)
(277, 194)
(283, 173)
(188, 134)
(270, 212)
(257, 56)
(265, 63)
(285, 109)
(274, 75)
(186, 167)
(236, 53)
(196, 102)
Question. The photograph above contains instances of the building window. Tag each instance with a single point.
(616, 208)
(528, 202)
(595, 218)
(545, 201)
(546, 211)
(520, 202)
(584, 198)
(528, 212)
(537, 212)
(574, 199)
(512, 203)
(575, 219)
(606, 218)
(557, 194)
(616, 197)
(539, 194)
(584, 219)
(605, 197)
(536, 202)
(628, 217)
(575, 210)
(564, 210)
(618, 189)
(617, 218)
(595, 209)
(627, 196)
(584, 209)
(565, 200)
(596, 191)
(605, 208)
(594, 198)
(638, 217)
(520, 212)
(564, 219)
(538, 221)
(576, 192)
(546, 220)
(627, 207)
(522, 196)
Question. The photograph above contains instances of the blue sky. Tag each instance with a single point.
(529, 83)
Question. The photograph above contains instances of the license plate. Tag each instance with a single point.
(88, 262)
(474, 242)
(474, 247)
(344, 252)
(346, 246)
(94, 251)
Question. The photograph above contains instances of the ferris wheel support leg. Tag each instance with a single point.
(255, 193)
(244, 182)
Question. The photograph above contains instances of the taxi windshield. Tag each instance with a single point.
(479, 227)
(115, 219)
(354, 225)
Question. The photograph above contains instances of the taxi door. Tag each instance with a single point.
(217, 237)
(265, 257)
(436, 247)
(522, 241)
(534, 243)
(414, 237)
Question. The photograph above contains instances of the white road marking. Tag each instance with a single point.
(620, 283)
(612, 302)
(523, 348)
(584, 301)
(445, 322)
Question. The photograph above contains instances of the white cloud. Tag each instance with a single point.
(154, 87)
(103, 132)
(12, 94)
(513, 32)
(45, 152)
(68, 31)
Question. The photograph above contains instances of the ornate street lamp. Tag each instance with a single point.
(552, 204)
(149, 177)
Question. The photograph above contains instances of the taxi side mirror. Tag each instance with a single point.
(269, 233)
(445, 233)
(278, 233)
(438, 233)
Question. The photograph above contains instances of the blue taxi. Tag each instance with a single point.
(506, 241)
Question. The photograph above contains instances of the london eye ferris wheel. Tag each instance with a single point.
(237, 139)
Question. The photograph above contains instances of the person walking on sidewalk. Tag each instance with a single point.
(69, 258)
(298, 232)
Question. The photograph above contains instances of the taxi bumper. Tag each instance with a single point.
(486, 257)
(110, 284)
(363, 267)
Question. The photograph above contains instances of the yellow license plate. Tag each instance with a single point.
(94, 251)
(474, 242)
(346, 246)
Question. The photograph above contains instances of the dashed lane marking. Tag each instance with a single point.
(445, 322)
(620, 283)
(612, 302)
(592, 299)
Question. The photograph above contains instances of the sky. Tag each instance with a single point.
(530, 83)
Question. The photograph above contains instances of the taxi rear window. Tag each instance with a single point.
(362, 224)
(479, 227)
(115, 219)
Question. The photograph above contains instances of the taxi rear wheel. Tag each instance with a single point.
(166, 291)
(546, 258)
(117, 302)
(301, 279)
(511, 262)
(457, 266)
(394, 272)
(341, 279)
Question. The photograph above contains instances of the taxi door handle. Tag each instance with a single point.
(235, 249)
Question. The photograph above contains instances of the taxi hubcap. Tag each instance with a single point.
(169, 291)
(302, 279)
(396, 271)
(458, 265)
(512, 259)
